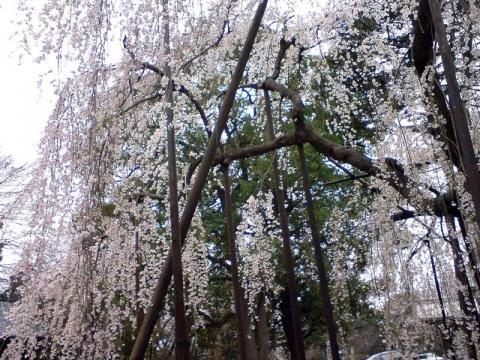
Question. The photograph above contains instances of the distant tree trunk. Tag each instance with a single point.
(299, 348)
(322, 272)
(182, 344)
(287, 326)
(262, 328)
(238, 292)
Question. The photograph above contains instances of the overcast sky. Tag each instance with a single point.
(24, 107)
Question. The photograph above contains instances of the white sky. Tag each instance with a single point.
(24, 107)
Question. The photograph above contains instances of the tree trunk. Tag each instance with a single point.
(466, 300)
(138, 310)
(299, 348)
(472, 257)
(460, 115)
(182, 343)
(262, 328)
(238, 292)
(322, 272)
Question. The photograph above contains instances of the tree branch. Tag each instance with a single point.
(183, 90)
(244, 153)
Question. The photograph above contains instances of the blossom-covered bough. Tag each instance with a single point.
(153, 98)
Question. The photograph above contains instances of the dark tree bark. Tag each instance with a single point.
(262, 328)
(182, 343)
(466, 299)
(322, 272)
(138, 310)
(447, 335)
(472, 258)
(299, 348)
(423, 38)
(423, 55)
(238, 292)
(286, 316)
(459, 112)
